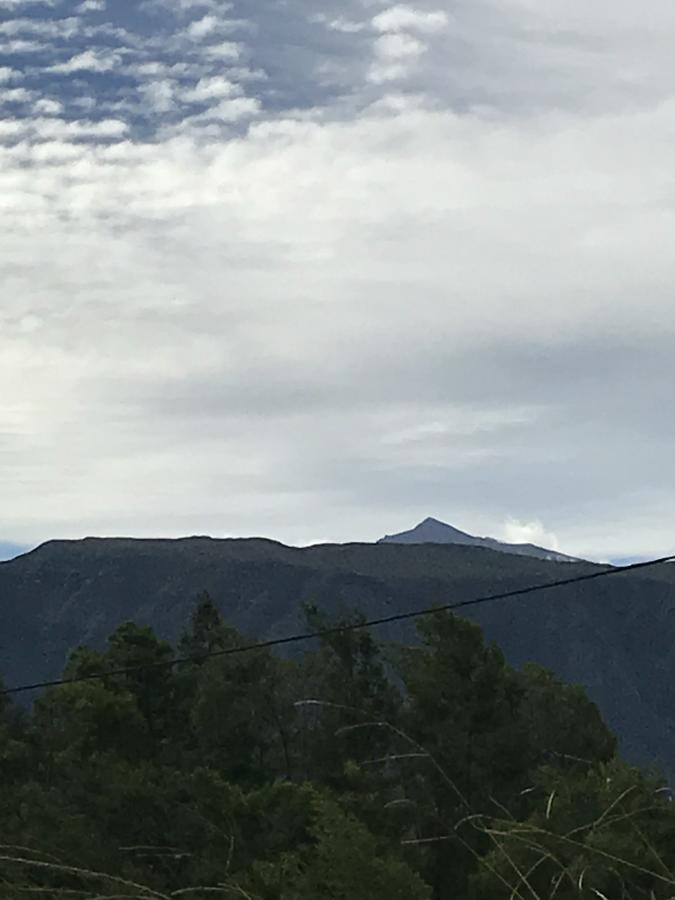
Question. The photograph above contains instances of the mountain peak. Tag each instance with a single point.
(433, 531)
(436, 523)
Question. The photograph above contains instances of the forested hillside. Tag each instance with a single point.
(614, 636)
(359, 772)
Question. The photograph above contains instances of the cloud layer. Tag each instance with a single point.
(319, 276)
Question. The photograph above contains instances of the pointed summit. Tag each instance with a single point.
(430, 531)
(433, 531)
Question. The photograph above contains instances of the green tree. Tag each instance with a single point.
(15, 756)
(207, 631)
(343, 686)
(461, 711)
(341, 860)
(434, 771)
(236, 715)
(562, 724)
(76, 722)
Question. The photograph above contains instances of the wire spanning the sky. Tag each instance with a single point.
(341, 629)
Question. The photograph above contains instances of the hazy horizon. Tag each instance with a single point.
(9, 551)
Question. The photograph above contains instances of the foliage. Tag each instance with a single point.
(359, 772)
(598, 832)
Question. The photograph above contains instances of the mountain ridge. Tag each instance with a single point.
(615, 636)
(434, 531)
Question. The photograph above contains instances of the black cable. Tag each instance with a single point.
(341, 629)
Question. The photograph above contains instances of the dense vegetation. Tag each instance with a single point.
(357, 772)
(614, 636)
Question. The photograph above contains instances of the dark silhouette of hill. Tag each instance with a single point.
(432, 531)
(615, 636)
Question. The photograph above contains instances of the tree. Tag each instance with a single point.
(434, 771)
(341, 860)
(143, 664)
(14, 751)
(562, 724)
(345, 684)
(235, 714)
(77, 722)
(461, 709)
(207, 631)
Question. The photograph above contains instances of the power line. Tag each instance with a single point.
(341, 629)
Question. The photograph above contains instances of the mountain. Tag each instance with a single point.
(431, 531)
(615, 636)
(9, 551)
(627, 560)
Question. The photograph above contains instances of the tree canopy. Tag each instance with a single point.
(360, 772)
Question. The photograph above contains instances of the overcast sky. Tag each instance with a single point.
(317, 275)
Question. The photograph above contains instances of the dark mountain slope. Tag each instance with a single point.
(431, 531)
(616, 636)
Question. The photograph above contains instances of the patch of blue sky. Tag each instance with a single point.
(164, 65)
(10, 551)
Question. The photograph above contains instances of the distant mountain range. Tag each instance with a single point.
(431, 531)
(615, 636)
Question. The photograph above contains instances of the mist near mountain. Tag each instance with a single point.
(433, 531)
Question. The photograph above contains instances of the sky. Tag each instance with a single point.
(318, 271)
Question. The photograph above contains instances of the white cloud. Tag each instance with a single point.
(20, 47)
(226, 50)
(19, 4)
(16, 95)
(158, 95)
(89, 61)
(9, 128)
(345, 26)
(92, 6)
(55, 129)
(339, 24)
(213, 88)
(148, 69)
(406, 18)
(44, 28)
(395, 55)
(233, 110)
(398, 46)
(188, 6)
(201, 28)
(515, 532)
(8, 74)
(396, 51)
(159, 69)
(47, 106)
(65, 130)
